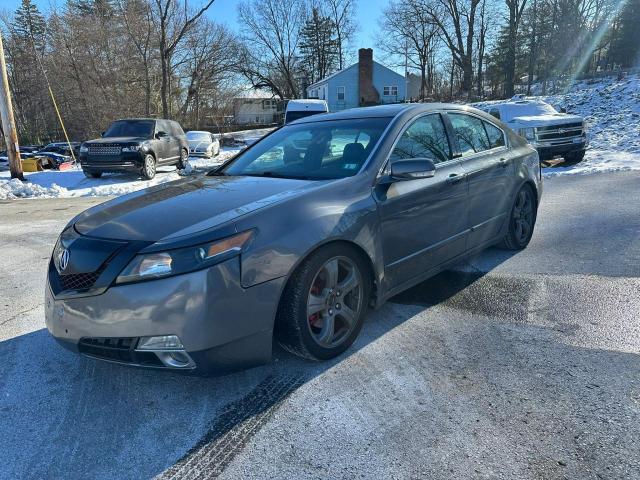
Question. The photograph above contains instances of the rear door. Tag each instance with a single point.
(162, 144)
(423, 221)
(490, 171)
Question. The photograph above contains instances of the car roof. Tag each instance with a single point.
(388, 111)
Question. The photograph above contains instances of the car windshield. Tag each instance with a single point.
(313, 151)
(130, 128)
(199, 136)
(527, 109)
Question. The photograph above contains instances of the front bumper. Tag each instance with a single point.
(222, 326)
(125, 161)
(547, 152)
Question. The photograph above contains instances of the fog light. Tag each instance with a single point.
(162, 342)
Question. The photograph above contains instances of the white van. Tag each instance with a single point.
(303, 108)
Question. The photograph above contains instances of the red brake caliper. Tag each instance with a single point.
(314, 320)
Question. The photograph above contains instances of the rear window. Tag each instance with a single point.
(297, 115)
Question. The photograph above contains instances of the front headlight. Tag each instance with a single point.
(528, 133)
(84, 149)
(183, 260)
(131, 148)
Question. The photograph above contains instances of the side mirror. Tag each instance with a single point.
(412, 169)
(563, 110)
(102, 134)
(161, 134)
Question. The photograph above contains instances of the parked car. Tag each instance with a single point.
(296, 236)
(60, 148)
(551, 133)
(203, 144)
(297, 109)
(136, 145)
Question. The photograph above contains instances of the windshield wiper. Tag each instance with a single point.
(216, 173)
(276, 175)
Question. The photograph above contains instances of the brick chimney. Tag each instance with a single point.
(367, 93)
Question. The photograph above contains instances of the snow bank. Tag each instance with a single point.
(73, 183)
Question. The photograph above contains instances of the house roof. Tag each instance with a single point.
(339, 72)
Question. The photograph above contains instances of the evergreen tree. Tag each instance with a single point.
(30, 26)
(319, 47)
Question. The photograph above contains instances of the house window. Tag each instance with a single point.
(341, 93)
(390, 91)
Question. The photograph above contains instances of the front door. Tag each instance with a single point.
(489, 167)
(423, 221)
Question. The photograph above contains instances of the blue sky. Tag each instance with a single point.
(224, 11)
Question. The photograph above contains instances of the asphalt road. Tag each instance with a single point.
(510, 366)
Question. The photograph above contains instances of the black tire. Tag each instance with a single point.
(574, 157)
(182, 162)
(148, 170)
(301, 334)
(91, 173)
(522, 219)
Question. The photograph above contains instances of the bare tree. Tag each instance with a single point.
(174, 23)
(342, 12)
(408, 33)
(271, 36)
(456, 20)
(515, 8)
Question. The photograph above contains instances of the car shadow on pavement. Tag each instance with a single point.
(64, 415)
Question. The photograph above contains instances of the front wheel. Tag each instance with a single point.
(182, 162)
(574, 157)
(323, 306)
(91, 173)
(148, 167)
(521, 220)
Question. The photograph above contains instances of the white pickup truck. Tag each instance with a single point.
(551, 133)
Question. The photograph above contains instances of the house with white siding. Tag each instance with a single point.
(362, 84)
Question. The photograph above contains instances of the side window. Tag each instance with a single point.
(496, 137)
(425, 138)
(163, 126)
(176, 129)
(470, 132)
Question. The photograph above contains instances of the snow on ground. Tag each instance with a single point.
(611, 109)
(73, 183)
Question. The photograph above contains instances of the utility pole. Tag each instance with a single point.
(8, 124)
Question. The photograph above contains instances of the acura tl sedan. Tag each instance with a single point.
(293, 239)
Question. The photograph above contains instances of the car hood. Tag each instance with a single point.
(111, 140)
(185, 207)
(543, 120)
(199, 143)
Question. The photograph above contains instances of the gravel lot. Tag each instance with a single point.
(509, 366)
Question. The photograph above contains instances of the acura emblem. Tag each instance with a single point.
(63, 260)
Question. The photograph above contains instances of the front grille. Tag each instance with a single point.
(104, 150)
(559, 132)
(118, 350)
(78, 281)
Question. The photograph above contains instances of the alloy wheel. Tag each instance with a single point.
(335, 301)
(523, 216)
(149, 166)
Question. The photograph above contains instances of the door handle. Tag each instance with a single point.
(455, 178)
(504, 163)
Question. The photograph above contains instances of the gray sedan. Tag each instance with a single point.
(295, 238)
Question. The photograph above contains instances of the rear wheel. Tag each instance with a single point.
(323, 306)
(148, 167)
(91, 173)
(522, 220)
(182, 162)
